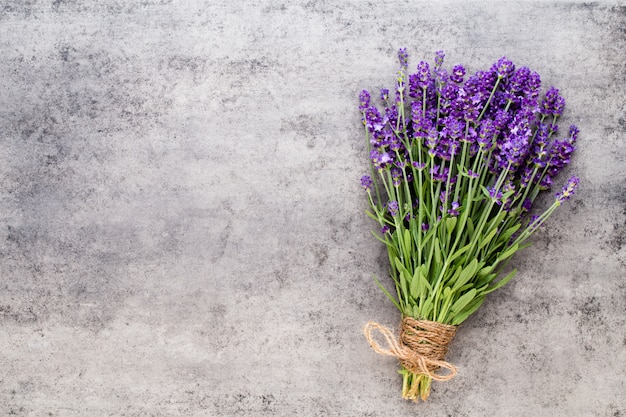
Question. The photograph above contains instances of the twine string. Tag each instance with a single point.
(421, 348)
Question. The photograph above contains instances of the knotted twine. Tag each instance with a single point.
(422, 346)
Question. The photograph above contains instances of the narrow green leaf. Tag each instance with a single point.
(373, 216)
(399, 265)
(463, 301)
(415, 285)
(468, 311)
(488, 238)
(470, 227)
(425, 286)
(450, 223)
(459, 252)
(468, 272)
(502, 282)
(506, 235)
(455, 275)
(426, 308)
(392, 298)
(404, 286)
(484, 271)
(437, 251)
(381, 239)
(407, 241)
(509, 252)
(486, 279)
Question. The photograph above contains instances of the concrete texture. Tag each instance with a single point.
(182, 227)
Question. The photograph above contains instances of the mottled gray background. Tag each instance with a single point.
(182, 228)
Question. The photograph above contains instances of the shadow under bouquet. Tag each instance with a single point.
(456, 165)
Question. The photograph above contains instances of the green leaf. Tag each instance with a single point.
(450, 223)
(455, 275)
(509, 252)
(415, 285)
(484, 271)
(502, 282)
(407, 241)
(468, 311)
(426, 308)
(424, 285)
(370, 214)
(486, 279)
(463, 301)
(459, 252)
(437, 252)
(392, 298)
(404, 286)
(488, 238)
(468, 272)
(470, 227)
(504, 237)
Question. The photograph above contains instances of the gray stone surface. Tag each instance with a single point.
(182, 228)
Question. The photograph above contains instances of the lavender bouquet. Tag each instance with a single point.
(456, 165)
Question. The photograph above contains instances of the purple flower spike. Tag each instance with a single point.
(403, 57)
(364, 100)
(384, 229)
(392, 206)
(423, 74)
(573, 133)
(457, 74)
(504, 68)
(493, 193)
(454, 209)
(553, 103)
(439, 56)
(384, 94)
(568, 189)
(519, 80)
(366, 182)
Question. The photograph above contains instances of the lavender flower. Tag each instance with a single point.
(374, 120)
(403, 57)
(494, 193)
(392, 207)
(518, 81)
(503, 68)
(396, 175)
(364, 100)
(568, 190)
(454, 209)
(552, 104)
(366, 182)
(458, 72)
(439, 56)
(420, 80)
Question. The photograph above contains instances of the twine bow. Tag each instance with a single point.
(422, 346)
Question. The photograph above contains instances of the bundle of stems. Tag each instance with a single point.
(456, 165)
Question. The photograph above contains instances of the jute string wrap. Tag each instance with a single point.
(422, 346)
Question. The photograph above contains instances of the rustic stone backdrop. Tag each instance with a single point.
(182, 229)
